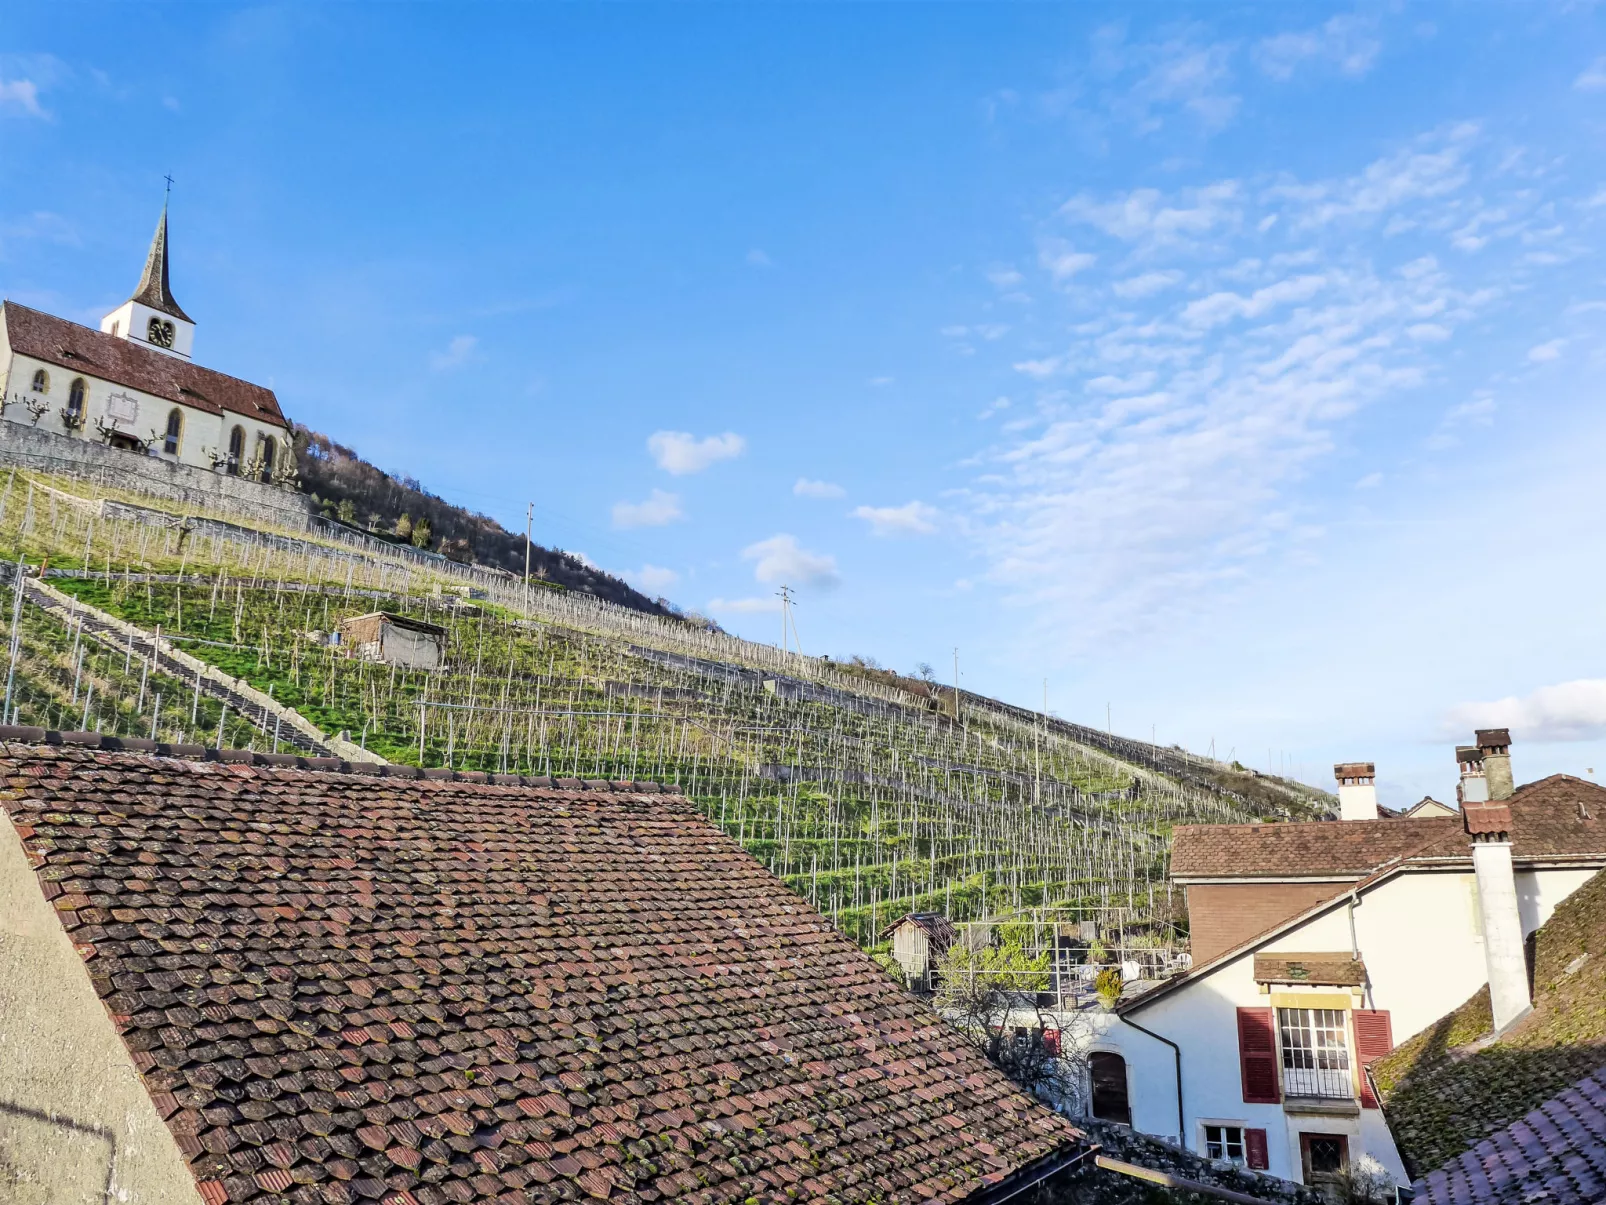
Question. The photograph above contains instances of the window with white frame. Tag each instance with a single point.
(1315, 1053)
(1225, 1143)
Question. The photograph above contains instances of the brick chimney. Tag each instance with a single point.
(1473, 787)
(1488, 823)
(1495, 745)
(1357, 790)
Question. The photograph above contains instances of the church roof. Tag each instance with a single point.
(127, 362)
(353, 983)
(153, 289)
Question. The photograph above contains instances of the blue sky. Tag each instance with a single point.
(1238, 369)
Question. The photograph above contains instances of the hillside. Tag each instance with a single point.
(348, 489)
(1450, 1086)
(862, 790)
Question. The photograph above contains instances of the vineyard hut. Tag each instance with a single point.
(459, 989)
(395, 640)
(919, 940)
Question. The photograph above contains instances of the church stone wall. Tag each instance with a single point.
(26, 447)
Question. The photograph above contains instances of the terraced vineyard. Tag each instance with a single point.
(869, 795)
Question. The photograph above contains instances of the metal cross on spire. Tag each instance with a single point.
(169, 180)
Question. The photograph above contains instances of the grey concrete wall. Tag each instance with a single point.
(76, 1124)
(27, 447)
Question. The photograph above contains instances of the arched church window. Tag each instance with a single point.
(268, 449)
(236, 450)
(175, 428)
(41, 381)
(75, 397)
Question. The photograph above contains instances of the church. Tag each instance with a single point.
(133, 384)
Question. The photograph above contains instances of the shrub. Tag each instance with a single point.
(1108, 986)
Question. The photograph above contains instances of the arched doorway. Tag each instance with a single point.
(1107, 1071)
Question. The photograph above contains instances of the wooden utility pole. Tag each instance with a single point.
(529, 524)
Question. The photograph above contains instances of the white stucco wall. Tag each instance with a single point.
(201, 430)
(1420, 936)
(132, 321)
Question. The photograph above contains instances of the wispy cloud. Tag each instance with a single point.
(654, 578)
(1163, 457)
(803, 487)
(458, 352)
(758, 259)
(912, 518)
(1593, 77)
(1567, 711)
(659, 509)
(1545, 352)
(780, 561)
(1348, 41)
(680, 452)
(21, 94)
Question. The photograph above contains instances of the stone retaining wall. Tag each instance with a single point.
(26, 447)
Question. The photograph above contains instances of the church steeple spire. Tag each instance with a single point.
(154, 289)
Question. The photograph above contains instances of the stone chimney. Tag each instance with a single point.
(1495, 744)
(1357, 790)
(1473, 787)
(1488, 823)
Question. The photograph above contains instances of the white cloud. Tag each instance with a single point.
(458, 352)
(1369, 482)
(1544, 353)
(912, 518)
(1593, 77)
(744, 606)
(993, 407)
(659, 509)
(1142, 216)
(1224, 307)
(878, 382)
(803, 487)
(757, 259)
(1062, 261)
(23, 94)
(654, 578)
(1567, 711)
(1348, 41)
(1146, 284)
(1475, 412)
(680, 452)
(780, 561)
(1434, 167)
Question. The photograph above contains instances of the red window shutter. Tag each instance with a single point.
(1373, 1039)
(1257, 1056)
(1255, 1150)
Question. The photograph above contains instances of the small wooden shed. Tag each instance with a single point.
(919, 939)
(394, 639)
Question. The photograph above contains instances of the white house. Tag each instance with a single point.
(133, 384)
(1258, 1053)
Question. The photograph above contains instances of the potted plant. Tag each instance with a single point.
(1108, 986)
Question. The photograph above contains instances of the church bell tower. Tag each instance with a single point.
(151, 316)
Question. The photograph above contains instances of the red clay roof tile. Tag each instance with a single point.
(431, 991)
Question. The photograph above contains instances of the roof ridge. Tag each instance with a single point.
(28, 735)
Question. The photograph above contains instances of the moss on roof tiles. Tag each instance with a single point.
(1448, 1087)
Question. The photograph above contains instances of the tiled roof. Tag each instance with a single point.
(1556, 1155)
(122, 361)
(1556, 817)
(1330, 970)
(344, 987)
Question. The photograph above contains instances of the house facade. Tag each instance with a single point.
(1370, 931)
(133, 384)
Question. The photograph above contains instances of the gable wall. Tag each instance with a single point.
(1223, 915)
(76, 1124)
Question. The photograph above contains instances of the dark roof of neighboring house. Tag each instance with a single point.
(1453, 1085)
(1330, 970)
(938, 928)
(473, 990)
(122, 361)
(400, 621)
(1555, 818)
(1555, 1155)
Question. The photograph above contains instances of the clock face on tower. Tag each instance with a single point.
(160, 332)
